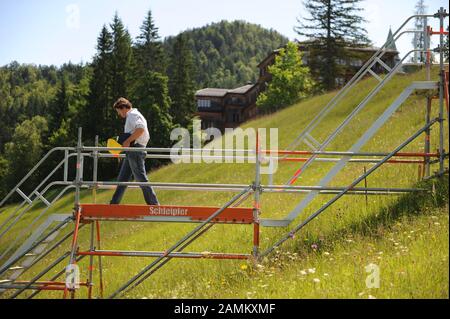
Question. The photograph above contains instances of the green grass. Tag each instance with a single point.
(407, 237)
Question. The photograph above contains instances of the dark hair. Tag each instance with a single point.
(122, 103)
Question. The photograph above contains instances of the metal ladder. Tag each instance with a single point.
(34, 249)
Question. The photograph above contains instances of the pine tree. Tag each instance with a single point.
(60, 108)
(111, 79)
(121, 59)
(100, 98)
(333, 26)
(149, 53)
(151, 97)
(181, 84)
(150, 93)
(121, 73)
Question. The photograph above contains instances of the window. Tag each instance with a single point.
(204, 103)
(356, 62)
(236, 101)
(233, 116)
(305, 59)
(207, 124)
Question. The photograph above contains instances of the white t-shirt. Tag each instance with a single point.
(136, 120)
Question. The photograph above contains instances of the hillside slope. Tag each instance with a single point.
(407, 237)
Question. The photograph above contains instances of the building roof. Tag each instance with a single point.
(269, 56)
(211, 92)
(374, 49)
(242, 89)
(391, 42)
(215, 92)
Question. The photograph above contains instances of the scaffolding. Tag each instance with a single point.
(36, 241)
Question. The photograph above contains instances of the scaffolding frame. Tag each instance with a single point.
(34, 248)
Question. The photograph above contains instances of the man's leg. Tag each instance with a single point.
(124, 176)
(137, 165)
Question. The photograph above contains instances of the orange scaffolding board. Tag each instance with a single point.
(234, 215)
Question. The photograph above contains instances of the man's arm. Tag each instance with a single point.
(136, 134)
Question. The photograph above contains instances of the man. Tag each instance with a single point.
(134, 162)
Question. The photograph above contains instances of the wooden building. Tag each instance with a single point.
(222, 108)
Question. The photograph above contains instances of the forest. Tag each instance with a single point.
(42, 106)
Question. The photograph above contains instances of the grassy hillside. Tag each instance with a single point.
(407, 237)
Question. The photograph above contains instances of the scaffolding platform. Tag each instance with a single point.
(165, 213)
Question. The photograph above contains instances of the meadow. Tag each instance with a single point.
(406, 236)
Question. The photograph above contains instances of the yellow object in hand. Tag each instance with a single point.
(113, 143)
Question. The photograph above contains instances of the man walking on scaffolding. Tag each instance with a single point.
(136, 135)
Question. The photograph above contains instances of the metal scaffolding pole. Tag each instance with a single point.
(92, 230)
(177, 254)
(73, 250)
(79, 167)
(256, 194)
(442, 13)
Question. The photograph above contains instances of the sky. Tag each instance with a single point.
(55, 32)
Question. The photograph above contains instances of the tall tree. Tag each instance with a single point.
(121, 71)
(60, 107)
(111, 79)
(121, 58)
(149, 53)
(181, 84)
(332, 27)
(100, 97)
(151, 97)
(290, 82)
(150, 93)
